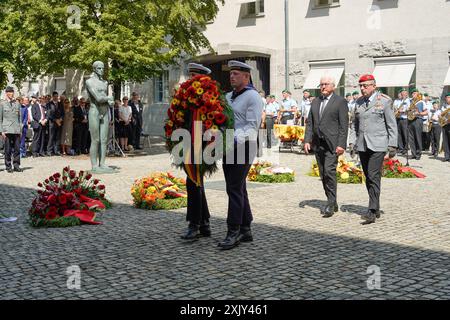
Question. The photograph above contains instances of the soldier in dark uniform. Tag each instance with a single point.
(374, 132)
(10, 129)
(197, 209)
(247, 108)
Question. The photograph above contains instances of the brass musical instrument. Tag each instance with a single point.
(444, 118)
(398, 110)
(412, 110)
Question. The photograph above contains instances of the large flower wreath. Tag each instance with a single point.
(159, 191)
(68, 199)
(346, 171)
(198, 99)
(395, 169)
(264, 171)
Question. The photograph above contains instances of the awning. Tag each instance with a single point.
(447, 78)
(316, 73)
(394, 74)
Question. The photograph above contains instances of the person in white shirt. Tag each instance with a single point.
(125, 114)
(305, 106)
(426, 135)
(288, 107)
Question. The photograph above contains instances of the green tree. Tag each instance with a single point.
(135, 39)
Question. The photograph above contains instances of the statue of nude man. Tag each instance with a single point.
(97, 90)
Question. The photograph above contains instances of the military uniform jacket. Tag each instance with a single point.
(10, 117)
(374, 126)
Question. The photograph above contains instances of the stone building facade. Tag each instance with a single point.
(403, 42)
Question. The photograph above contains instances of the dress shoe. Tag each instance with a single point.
(418, 157)
(192, 233)
(231, 240)
(369, 217)
(18, 169)
(329, 211)
(9, 170)
(205, 229)
(245, 234)
(48, 154)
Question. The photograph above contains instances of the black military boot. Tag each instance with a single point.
(192, 233)
(205, 229)
(232, 238)
(245, 234)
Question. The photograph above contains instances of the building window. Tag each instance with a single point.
(161, 88)
(255, 8)
(325, 3)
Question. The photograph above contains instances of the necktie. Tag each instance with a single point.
(322, 106)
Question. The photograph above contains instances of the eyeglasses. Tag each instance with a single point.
(365, 85)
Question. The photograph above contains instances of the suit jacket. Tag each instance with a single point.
(375, 126)
(51, 108)
(137, 109)
(78, 115)
(36, 115)
(10, 121)
(332, 127)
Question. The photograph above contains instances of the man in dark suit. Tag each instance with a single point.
(327, 131)
(80, 127)
(54, 117)
(38, 123)
(137, 109)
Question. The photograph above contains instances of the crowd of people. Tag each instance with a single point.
(416, 134)
(54, 125)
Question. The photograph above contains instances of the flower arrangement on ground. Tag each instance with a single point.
(266, 172)
(68, 199)
(346, 172)
(159, 191)
(393, 168)
(198, 100)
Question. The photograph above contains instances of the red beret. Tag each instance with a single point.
(366, 77)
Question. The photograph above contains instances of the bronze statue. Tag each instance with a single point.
(97, 90)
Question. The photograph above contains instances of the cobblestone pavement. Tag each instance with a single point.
(137, 254)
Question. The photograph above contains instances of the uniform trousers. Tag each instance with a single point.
(446, 141)
(415, 136)
(197, 208)
(372, 163)
(236, 165)
(435, 138)
(402, 134)
(12, 151)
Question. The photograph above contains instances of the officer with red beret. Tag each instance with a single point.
(373, 133)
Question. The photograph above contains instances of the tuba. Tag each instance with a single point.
(444, 118)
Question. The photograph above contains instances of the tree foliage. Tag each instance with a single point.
(134, 38)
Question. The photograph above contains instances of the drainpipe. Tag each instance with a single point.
(286, 43)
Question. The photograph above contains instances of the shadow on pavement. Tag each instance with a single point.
(138, 254)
